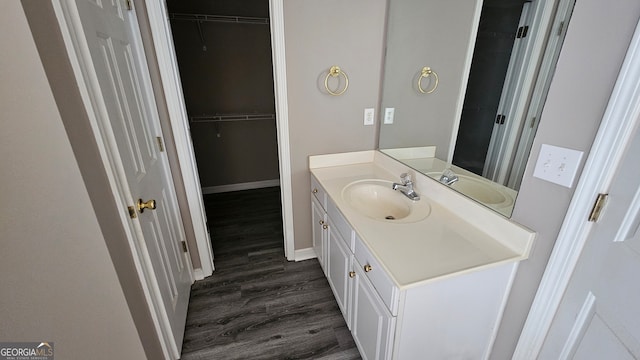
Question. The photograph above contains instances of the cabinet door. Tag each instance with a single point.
(372, 325)
(338, 266)
(319, 232)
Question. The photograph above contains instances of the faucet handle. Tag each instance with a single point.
(406, 178)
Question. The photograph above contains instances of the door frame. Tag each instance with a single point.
(620, 118)
(172, 87)
(170, 75)
(86, 79)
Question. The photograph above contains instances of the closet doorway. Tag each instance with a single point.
(223, 50)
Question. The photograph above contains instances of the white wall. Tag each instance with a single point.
(57, 279)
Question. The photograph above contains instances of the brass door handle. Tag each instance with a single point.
(367, 268)
(352, 274)
(151, 204)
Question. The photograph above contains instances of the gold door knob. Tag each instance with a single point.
(325, 226)
(367, 268)
(352, 274)
(315, 191)
(151, 204)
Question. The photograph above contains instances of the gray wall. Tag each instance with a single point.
(593, 51)
(318, 35)
(437, 34)
(58, 281)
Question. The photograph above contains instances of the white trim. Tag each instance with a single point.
(304, 254)
(165, 53)
(170, 76)
(580, 327)
(630, 224)
(80, 59)
(276, 11)
(465, 81)
(514, 102)
(198, 274)
(621, 116)
(240, 186)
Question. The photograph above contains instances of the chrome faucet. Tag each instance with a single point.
(448, 177)
(406, 188)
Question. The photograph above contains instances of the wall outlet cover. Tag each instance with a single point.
(388, 115)
(369, 114)
(557, 165)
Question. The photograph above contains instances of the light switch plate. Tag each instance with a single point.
(557, 165)
(369, 114)
(388, 115)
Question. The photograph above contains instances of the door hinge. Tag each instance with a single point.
(184, 246)
(160, 144)
(597, 207)
(560, 28)
(522, 32)
(129, 5)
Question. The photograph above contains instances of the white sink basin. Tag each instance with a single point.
(376, 199)
(480, 190)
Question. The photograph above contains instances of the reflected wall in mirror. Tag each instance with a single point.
(494, 60)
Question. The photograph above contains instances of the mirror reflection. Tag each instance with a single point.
(494, 60)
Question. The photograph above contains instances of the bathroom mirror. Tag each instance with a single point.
(476, 109)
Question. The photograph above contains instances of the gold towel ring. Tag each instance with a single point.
(425, 73)
(335, 71)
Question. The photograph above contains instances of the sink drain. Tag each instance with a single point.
(390, 217)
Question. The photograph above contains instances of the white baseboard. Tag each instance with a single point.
(198, 274)
(240, 186)
(304, 254)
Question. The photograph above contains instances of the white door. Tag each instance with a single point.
(599, 315)
(120, 88)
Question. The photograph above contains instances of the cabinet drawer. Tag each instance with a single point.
(377, 275)
(318, 192)
(337, 220)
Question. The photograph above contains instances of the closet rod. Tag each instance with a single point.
(229, 118)
(219, 18)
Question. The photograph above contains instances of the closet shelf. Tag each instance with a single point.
(230, 118)
(219, 18)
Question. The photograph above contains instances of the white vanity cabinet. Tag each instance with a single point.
(332, 250)
(339, 263)
(453, 316)
(364, 311)
(319, 226)
(372, 325)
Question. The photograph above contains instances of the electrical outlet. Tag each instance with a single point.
(557, 165)
(388, 115)
(369, 113)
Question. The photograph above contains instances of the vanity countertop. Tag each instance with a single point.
(458, 236)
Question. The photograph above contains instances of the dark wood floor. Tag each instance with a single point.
(257, 305)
